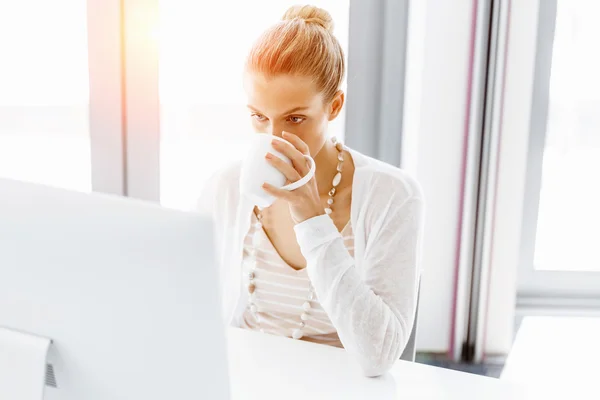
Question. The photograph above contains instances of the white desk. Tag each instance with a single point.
(266, 367)
(557, 355)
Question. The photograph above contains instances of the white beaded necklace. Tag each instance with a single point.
(298, 332)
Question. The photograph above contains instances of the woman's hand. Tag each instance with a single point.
(304, 202)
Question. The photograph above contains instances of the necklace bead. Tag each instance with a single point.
(297, 334)
(337, 179)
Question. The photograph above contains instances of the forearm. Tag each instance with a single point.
(371, 328)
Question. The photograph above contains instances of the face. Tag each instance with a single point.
(291, 104)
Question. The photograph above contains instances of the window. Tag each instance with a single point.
(568, 215)
(44, 92)
(203, 114)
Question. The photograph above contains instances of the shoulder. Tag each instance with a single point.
(376, 179)
(228, 177)
(221, 190)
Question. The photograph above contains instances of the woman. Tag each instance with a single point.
(335, 261)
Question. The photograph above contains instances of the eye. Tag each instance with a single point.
(295, 119)
(259, 117)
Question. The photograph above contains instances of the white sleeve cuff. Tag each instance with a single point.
(315, 232)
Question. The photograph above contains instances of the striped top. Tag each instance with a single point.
(282, 290)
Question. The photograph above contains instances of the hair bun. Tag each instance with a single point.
(310, 15)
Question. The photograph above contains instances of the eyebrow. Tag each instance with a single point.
(293, 110)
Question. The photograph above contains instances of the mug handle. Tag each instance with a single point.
(303, 181)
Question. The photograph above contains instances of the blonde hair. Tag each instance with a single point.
(301, 44)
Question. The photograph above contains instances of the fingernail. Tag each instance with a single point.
(274, 142)
(269, 156)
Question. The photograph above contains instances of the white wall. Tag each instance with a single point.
(434, 125)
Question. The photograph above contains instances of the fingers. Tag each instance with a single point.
(297, 142)
(293, 154)
(286, 169)
(278, 193)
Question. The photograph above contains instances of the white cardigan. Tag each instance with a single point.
(371, 298)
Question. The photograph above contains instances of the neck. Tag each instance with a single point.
(326, 163)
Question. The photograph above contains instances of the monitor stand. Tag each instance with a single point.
(22, 365)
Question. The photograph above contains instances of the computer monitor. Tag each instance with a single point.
(126, 290)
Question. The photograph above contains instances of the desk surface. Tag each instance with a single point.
(265, 367)
(557, 355)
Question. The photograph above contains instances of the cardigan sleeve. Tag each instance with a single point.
(372, 307)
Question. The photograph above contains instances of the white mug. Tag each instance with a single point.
(256, 170)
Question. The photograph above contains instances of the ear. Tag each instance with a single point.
(336, 105)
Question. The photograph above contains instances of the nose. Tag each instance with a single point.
(276, 130)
